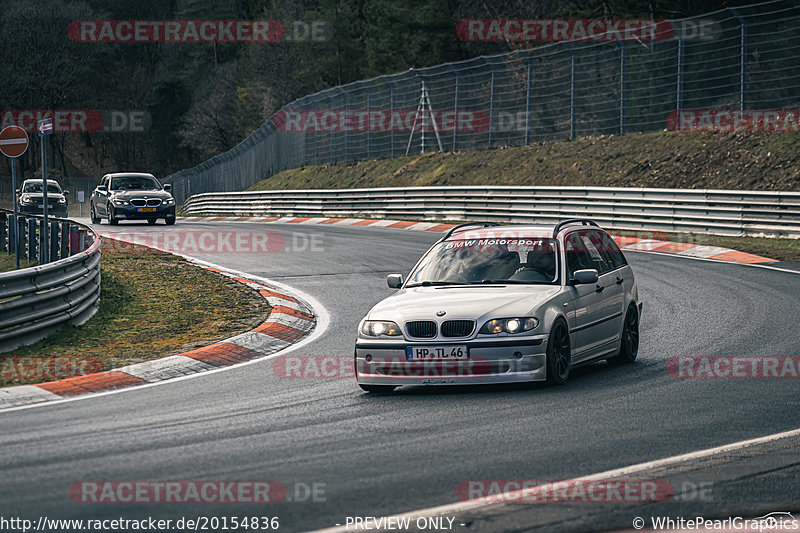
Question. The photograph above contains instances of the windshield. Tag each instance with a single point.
(528, 261)
(134, 183)
(37, 188)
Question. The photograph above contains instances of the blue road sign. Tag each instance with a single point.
(45, 127)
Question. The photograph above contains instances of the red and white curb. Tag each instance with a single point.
(290, 321)
(628, 244)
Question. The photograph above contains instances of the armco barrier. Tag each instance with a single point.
(717, 212)
(66, 291)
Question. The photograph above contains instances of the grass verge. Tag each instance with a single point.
(9, 262)
(153, 304)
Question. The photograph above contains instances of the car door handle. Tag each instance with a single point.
(619, 281)
(598, 288)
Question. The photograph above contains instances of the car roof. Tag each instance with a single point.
(528, 231)
(129, 174)
(39, 180)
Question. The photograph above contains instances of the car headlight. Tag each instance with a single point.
(120, 202)
(62, 201)
(169, 201)
(508, 325)
(376, 328)
(26, 200)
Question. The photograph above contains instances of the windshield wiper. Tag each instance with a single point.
(501, 282)
(436, 283)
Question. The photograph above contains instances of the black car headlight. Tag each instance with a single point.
(120, 202)
(508, 325)
(376, 328)
(169, 201)
(26, 200)
(62, 201)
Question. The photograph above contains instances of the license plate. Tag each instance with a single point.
(146, 209)
(429, 353)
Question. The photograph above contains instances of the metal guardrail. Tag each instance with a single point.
(35, 300)
(716, 212)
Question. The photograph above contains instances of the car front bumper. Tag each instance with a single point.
(507, 360)
(129, 212)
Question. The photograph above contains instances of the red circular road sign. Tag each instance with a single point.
(13, 141)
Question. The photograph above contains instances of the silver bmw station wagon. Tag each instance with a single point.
(503, 304)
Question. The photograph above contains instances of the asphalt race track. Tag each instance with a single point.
(379, 455)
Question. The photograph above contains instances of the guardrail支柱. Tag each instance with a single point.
(715, 212)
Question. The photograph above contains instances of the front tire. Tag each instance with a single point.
(151, 221)
(379, 389)
(93, 215)
(111, 220)
(169, 221)
(559, 353)
(629, 347)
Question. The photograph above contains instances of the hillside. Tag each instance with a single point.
(757, 161)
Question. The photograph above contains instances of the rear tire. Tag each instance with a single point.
(379, 389)
(559, 354)
(629, 344)
(93, 215)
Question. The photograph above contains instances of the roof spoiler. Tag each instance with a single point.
(468, 224)
(582, 221)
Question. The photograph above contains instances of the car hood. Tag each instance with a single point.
(141, 194)
(37, 196)
(474, 302)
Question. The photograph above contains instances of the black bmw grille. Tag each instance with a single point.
(457, 328)
(141, 202)
(424, 329)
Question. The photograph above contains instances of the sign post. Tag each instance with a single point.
(13, 143)
(45, 127)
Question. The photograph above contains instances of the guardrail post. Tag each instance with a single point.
(12, 234)
(31, 234)
(3, 246)
(623, 68)
(64, 234)
(742, 61)
(54, 226)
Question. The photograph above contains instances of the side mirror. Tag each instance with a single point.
(167, 187)
(19, 191)
(65, 192)
(102, 188)
(394, 281)
(586, 276)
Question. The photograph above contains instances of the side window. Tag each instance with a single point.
(578, 257)
(613, 250)
(598, 259)
(104, 181)
(608, 249)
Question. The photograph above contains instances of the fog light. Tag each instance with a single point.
(518, 355)
(368, 358)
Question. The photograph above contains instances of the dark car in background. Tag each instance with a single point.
(131, 196)
(30, 198)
